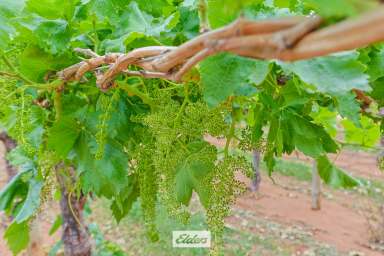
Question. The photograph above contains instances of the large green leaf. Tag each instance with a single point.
(334, 176)
(335, 74)
(16, 187)
(340, 8)
(9, 9)
(376, 64)
(32, 202)
(53, 36)
(53, 9)
(35, 63)
(349, 107)
(63, 135)
(378, 91)
(368, 134)
(122, 203)
(190, 177)
(327, 119)
(107, 176)
(136, 20)
(155, 7)
(191, 174)
(107, 9)
(308, 137)
(17, 236)
(224, 75)
(222, 12)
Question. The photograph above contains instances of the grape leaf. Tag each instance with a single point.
(136, 20)
(340, 8)
(53, 36)
(222, 12)
(6, 32)
(17, 236)
(16, 187)
(223, 75)
(349, 107)
(189, 24)
(155, 7)
(334, 176)
(368, 134)
(18, 157)
(35, 63)
(32, 202)
(334, 74)
(122, 203)
(327, 119)
(9, 9)
(376, 65)
(52, 9)
(308, 137)
(378, 91)
(191, 174)
(105, 177)
(63, 135)
(105, 10)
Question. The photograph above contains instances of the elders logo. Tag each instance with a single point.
(191, 239)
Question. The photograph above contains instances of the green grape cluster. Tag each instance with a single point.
(172, 127)
(106, 105)
(168, 151)
(23, 124)
(170, 148)
(224, 190)
(47, 162)
(7, 92)
(148, 190)
(247, 144)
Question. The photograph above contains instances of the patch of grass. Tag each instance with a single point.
(373, 189)
(296, 169)
(130, 235)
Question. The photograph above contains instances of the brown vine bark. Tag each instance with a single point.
(256, 156)
(381, 157)
(316, 188)
(287, 39)
(75, 235)
(9, 144)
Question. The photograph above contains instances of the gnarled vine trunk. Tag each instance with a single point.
(256, 169)
(75, 235)
(316, 188)
(9, 144)
(381, 162)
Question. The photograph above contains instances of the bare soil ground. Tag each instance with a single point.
(339, 223)
(282, 211)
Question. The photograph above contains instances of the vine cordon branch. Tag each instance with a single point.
(286, 39)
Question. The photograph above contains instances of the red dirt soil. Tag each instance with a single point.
(335, 224)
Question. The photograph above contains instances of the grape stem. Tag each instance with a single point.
(203, 14)
(16, 72)
(183, 105)
(230, 135)
(133, 90)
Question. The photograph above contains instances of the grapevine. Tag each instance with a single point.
(116, 99)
